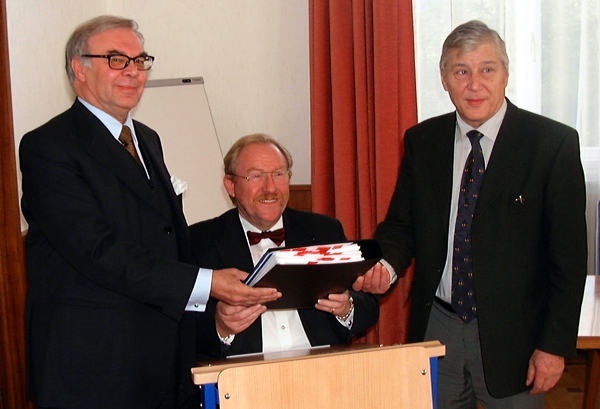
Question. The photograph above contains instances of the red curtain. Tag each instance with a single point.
(363, 98)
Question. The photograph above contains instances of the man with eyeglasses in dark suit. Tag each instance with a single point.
(257, 178)
(108, 256)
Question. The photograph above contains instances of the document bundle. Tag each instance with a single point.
(305, 274)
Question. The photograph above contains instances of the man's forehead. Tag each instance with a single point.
(461, 63)
(481, 54)
(115, 39)
(256, 152)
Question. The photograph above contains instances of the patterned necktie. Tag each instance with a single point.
(278, 236)
(463, 296)
(127, 141)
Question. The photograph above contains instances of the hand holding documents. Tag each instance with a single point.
(305, 274)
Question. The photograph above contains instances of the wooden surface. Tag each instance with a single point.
(300, 197)
(588, 338)
(568, 392)
(352, 377)
(13, 391)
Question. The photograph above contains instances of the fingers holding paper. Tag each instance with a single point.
(233, 319)
(227, 286)
(336, 304)
(376, 280)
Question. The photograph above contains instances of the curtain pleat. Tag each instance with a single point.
(362, 100)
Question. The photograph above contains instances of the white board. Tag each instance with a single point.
(178, 110)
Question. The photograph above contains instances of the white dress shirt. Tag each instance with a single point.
(281, 329)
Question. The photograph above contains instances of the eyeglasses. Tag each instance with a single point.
(142, 62)
(257, 176)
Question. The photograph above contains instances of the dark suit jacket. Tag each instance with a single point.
(106, 283)
(220, 243)
(529, 255)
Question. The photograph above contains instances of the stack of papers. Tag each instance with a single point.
(320, 254)
(305, 274)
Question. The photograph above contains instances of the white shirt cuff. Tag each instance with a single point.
(227, 340)
(390, 269)
(201, 291)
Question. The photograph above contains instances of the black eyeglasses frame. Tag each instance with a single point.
(139, 64)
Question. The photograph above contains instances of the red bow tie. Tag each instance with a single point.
(276, 235)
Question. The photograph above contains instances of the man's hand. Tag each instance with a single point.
(227, 286)
(336, 304)
(375, 281)
(544, 371)
(232, 319)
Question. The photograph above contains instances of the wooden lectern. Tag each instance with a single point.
(358, 376)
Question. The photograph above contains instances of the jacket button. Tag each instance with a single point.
(168, 229)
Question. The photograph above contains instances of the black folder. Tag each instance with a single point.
(303, 284)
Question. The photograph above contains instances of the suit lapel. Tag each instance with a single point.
(506, 161)
(295, 232)
(153, 158)
(441, 164)
(233, 251)
(107, 151)
(232, 246)
(159, 176)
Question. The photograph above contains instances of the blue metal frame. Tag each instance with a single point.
(433, 365)
(209, 396)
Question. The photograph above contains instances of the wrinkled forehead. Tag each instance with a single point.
(262, 156)
(117, 40)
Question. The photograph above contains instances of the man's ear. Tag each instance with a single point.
(443, 81)
(78, 68)
(229, 186)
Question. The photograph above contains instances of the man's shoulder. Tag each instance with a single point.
(543, 133)
(216, 224)
(64, 119)
(432, 126)
(318, 227)
(60, 132)
(533, 120)
(310, 217)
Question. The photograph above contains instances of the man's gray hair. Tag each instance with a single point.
(470, 35)
(77, 45)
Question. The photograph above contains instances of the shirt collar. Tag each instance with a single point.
(247, 226)
(489, 128)
(113, 126)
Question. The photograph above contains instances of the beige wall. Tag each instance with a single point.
(253, 55)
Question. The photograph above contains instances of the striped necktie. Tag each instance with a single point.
(127, 141)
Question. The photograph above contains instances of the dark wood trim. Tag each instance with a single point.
(13, 391)
(300, 197)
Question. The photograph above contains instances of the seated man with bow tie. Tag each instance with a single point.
(257, 178)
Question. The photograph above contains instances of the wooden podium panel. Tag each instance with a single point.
(361, 377)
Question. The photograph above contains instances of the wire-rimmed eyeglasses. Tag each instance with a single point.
(258, 176)
(142, 62)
